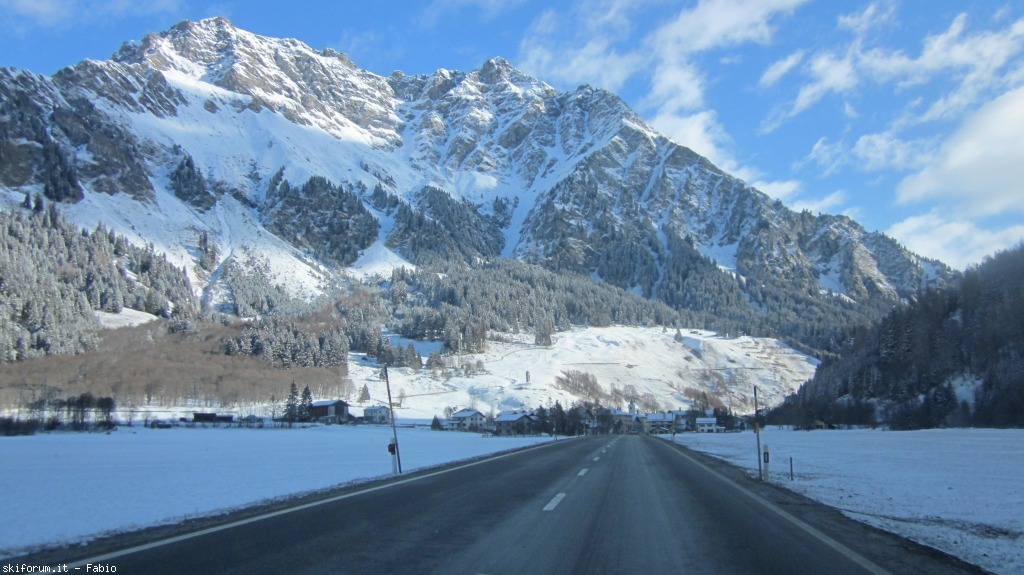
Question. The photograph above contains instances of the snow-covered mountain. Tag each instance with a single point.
(282, 154)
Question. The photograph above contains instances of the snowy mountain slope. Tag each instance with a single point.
(648, 360)
(571, 180)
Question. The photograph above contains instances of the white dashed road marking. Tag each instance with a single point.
(554, 502)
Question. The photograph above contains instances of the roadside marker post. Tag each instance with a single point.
(396, 456)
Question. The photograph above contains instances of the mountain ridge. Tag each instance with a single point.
(574, 181)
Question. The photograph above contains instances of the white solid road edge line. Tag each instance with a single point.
(317, 503)
(850, 554)
(554, 502)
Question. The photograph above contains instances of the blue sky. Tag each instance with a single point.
(906, 115)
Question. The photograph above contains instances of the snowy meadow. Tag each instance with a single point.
(63, 488)
(957, 490)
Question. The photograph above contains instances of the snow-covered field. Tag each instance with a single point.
(66, 487)
(960, 490)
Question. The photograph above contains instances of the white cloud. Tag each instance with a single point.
(700, 132)
(776, 71)
(829, 74)
(887, 151)
(874, 16)
(959, 243)
(820, 205)
(677, 86)
(981, 166)
(779, 189)
(966, 66)
(678, 83)
(827, 155)
(595, 63)
(718, 23)
(579, 47)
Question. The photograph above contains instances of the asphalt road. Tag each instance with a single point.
(613, 504)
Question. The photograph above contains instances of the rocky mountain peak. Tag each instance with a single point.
(186, 47)
(499, 70)
(309, 87)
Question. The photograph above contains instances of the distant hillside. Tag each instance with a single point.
(955, 356)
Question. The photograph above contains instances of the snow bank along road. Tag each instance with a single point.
(610, 504)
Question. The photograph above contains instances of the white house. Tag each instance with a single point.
(377, 414)
(708, 425)
(468, 420)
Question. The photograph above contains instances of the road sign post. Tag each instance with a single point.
(757, 432)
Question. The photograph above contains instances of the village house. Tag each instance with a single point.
(708, 423)
(660, 423)
(329, 411)
(377, 414)
(467, 419)
(514, 423)
(667, 421)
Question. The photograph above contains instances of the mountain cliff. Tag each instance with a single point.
(298, 162)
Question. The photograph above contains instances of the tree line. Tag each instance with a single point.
(911, 369)
(77, 412)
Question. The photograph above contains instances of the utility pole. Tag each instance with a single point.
(757, 432)
(394, 431)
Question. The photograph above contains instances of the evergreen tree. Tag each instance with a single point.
(306, 404)
(291, 405)
(558, 419)
(435, 424)
(543, 420)
(364, 394)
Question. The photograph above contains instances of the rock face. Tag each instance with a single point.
(208, 128)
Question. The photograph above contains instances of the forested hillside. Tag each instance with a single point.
(53, 277)
(953, 357)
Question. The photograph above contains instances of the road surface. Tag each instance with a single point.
(609, 504)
